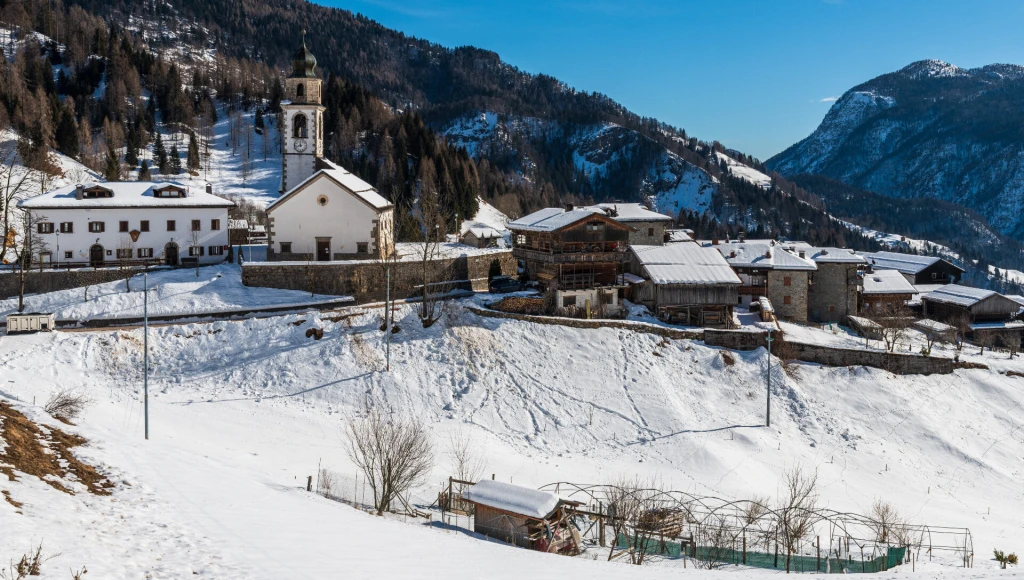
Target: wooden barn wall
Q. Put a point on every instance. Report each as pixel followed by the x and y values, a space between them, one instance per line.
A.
pixel 499 525
pixel 690 295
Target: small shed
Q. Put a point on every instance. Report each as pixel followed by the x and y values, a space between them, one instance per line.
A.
pixel 979 305
pixel 480 236
pixel 523 516
pixel 866 328
pixel 935 329
pixel 29 322
pixel 687 283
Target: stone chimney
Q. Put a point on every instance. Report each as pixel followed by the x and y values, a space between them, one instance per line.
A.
pixel 569 207
pixel 79 190
pixel 768 254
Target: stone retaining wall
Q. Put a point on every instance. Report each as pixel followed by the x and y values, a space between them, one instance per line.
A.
pixel 37 282
pixel 896 363
pixel 366 281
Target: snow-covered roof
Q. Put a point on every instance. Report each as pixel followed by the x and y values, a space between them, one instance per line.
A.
pixel 957 294
pixel 906 263
pixel 679 235
pixel 684 264
pixel 929 325
pixel 125 194
pixel 628 278
pixel 550 219
pixel 887 282
pixel 483 232
pixel 1009 325
pixel 1016 298
pixel 834 255
pixel 629 212
pixel 344 178
pixel 762 255
pixel 512 498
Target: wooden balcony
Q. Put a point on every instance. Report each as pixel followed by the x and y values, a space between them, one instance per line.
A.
pixel 752 290
pixel 565 256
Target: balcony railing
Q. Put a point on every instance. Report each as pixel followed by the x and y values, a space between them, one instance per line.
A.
pixel 568 257
pixel 752 290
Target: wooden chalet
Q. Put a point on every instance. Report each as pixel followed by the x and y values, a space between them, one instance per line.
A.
pixel 991 317
pixel 526 517
pixel 685 283
pixel 575 253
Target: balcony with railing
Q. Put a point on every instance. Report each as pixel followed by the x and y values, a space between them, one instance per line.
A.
pixel 574 252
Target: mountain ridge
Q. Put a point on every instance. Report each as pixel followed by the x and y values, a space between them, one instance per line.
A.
pixel 928 130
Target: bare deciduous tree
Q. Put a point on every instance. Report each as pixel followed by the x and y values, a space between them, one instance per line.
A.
pixel 434 231
pixel 895 319
pixel 796 509
pixel 394 455
pixel 28 247
pixel 195 238
pixel 125 251
pixel 66 404
pixel 636 513
pixel 468 463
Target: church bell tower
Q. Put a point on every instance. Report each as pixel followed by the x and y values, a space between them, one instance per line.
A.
pixel 302 127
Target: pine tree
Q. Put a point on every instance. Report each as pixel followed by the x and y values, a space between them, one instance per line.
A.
pixel 67 133
pixel 175 160
pixel 112 170
pixel 160 153
pixel 259 120
pixel 144 174
pixel 193 153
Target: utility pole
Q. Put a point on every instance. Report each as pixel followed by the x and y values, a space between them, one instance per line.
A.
pixel 768 414
pixel 145 347
pixel 388 315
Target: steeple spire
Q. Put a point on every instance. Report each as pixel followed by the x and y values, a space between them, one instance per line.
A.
pixel 303 62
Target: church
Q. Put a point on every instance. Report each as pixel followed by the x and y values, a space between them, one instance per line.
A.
pixel 325 213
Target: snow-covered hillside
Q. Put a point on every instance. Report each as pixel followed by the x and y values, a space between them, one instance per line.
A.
pixel 242 412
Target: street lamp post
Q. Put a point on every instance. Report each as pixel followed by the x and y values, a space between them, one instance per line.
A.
pixel 145 347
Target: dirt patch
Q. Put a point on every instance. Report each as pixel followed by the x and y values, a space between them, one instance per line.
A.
pixel 1014 374
pixel 969 365
pixel 727 358
pixel 10 500
pixel 299 322
pixel 314 333
pixel 45 452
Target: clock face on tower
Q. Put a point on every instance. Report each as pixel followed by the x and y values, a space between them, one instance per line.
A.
pixel 300 145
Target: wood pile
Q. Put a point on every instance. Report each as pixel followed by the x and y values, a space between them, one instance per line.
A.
pixel 520 305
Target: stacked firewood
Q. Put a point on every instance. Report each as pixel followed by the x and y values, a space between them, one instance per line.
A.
pixel 520 305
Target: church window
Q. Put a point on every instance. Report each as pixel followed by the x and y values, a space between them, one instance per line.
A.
pixel 300 90
pixel 299 128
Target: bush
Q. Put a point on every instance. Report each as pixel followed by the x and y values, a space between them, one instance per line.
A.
pixel 66 404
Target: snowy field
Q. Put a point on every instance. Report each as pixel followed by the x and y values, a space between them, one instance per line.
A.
pixel 216 289
pixel 242 412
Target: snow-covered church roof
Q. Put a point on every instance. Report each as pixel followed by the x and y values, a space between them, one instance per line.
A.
pixel 345 179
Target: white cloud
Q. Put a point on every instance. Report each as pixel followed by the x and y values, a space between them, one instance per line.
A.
pixel 828 100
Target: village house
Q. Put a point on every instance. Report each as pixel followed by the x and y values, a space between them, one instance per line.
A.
pixel 529 518
pixel 685 283
pixel 833 292
pixel 916 269
pixel 767 269
pixel 884 291
pixel 577 254
pixel 482 236
pixel 129 223
pixel 991 318
pixel 325 212
pixel 647 227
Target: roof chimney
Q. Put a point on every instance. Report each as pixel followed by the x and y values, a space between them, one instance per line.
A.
pixel 79 190
pixel 743 236
pixel 569 207
pixel 714 241
pixel 768 254
pixel 209 188
pixel 803 255
pixel 824 252
pixel 732 254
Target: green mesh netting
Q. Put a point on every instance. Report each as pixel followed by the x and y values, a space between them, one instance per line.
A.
pixel 797 563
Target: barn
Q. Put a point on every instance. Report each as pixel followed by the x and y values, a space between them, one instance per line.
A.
pixel 526 517
pixel 686 283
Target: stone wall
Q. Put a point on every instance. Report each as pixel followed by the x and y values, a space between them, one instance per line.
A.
pixel 796 310
pixel 642 236
pixel 37 282
pixel 366 281
pixel 834 293
pixel 900 364
pixel 735 339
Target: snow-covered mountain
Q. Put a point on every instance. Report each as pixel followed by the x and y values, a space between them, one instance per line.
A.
pixel 930 130
pixel 600 153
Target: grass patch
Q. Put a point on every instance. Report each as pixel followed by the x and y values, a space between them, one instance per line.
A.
pixel 45 452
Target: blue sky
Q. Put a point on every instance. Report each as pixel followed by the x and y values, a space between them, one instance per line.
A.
pixel 757 76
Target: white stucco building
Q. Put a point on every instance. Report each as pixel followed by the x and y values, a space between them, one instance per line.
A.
pixel 332 215
pixel 136 222
pixel 325 212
